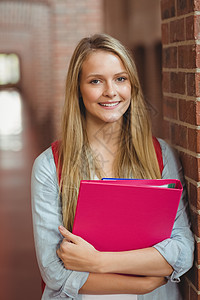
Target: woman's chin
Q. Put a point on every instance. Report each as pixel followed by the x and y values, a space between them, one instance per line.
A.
pixel 112 119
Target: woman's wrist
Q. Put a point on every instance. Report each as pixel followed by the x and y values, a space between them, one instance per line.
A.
pixel 104 261
pixel 98 262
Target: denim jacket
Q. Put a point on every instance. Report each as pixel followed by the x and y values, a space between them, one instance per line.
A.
pixel 47 216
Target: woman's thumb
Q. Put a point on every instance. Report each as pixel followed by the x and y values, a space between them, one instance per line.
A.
pixel 64 231
pixel 67 234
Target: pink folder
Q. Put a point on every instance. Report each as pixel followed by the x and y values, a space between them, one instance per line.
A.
pixel 120 215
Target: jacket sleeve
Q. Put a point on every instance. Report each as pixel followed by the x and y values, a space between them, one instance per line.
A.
pixel 47 216
pixel 179 248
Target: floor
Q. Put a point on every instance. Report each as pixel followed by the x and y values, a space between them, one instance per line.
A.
pixel 19 274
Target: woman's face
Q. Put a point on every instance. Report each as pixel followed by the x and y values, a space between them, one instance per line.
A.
pixel 105 87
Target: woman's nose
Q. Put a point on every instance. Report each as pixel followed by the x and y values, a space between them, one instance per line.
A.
pixel 109 90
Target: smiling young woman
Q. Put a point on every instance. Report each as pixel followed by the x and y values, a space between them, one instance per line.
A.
pixel 106 132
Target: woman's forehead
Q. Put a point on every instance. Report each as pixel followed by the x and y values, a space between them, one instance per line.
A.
pixel 101 60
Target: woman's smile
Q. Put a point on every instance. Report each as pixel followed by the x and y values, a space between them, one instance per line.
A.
pixel 109 104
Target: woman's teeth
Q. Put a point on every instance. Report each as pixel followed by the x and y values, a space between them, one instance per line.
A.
pixel 109 104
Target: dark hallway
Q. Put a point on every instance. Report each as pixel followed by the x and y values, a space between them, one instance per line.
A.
pixel 19 275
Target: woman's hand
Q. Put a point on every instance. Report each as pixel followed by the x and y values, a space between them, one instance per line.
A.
pixel 76 253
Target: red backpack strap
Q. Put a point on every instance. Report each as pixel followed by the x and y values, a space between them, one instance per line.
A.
pixel 55 149
pixel 158 153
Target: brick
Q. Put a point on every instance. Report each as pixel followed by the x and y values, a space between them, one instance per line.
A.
pixel 187 56
pixel 187 111
pixel 190 28
pixel 193 276
pixel 190 5
pixel 197 84
pixel 165 33
pixel 177 32
pixel 190 166
pixel 197 27
pixel 177 82
pixel 170 107
pixel 193 294
pixel 198 56
pixel 195 221
pixel 198 165
pixel 187 184
pixel 198 141
pixel 197 113
pixel 194 196
pixel 166 130
pixel 167 9
pixel 179 135
pixel 194 140
pixel 184 7
pixel 191 87
pixel 170 57
pixel 193 84
pixel 197 253
pixel 196 5
pixel 181 7
pixel 166 82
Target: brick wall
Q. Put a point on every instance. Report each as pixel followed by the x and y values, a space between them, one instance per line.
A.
pixel 181 91
pixel 25 30
pixel 44 33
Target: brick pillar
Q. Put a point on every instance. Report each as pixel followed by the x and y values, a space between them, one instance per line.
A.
pixel 181 107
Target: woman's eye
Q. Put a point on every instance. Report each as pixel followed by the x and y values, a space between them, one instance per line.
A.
pixel 95 81
pixel 121 79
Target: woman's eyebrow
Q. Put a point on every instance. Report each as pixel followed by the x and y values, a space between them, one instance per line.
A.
pixel 101 75
pixel 94 75
pixel 121 73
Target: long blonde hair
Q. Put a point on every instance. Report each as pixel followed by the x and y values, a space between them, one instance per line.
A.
pixel 136 156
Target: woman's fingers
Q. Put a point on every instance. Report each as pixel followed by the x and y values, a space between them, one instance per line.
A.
pixel 65 248
pixel 68 235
